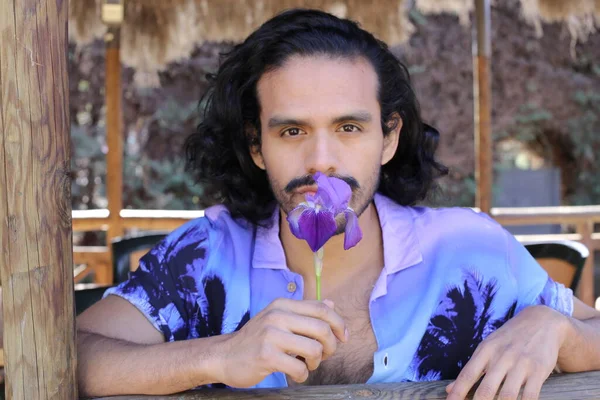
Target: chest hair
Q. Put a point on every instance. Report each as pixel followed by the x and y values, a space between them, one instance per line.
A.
pixel 353 361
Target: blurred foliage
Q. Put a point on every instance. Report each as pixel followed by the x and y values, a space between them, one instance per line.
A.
pixel 149 183
pixel 88 167
pixel 587 149
pixel 156 121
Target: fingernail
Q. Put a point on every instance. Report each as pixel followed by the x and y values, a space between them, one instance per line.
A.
pixel 346 334
pixel 329 303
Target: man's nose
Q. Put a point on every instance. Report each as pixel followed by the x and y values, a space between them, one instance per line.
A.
pixel 322 154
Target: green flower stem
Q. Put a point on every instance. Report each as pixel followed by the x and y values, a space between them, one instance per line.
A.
pixel 318 269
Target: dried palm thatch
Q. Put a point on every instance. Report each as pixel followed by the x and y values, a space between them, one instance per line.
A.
pixel 85 24
pixel 156 32
pixel 462 8
pixel 580 16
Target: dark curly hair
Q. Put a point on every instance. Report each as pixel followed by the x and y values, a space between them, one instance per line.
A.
pixel 219 152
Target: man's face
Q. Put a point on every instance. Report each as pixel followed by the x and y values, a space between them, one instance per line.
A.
pixel 322 114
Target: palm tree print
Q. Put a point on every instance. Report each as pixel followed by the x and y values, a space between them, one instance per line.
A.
pixel 463 319
pixel 212 312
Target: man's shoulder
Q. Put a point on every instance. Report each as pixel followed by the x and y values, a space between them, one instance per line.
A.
pixel 463 226
pixel 461 216
pixel 207 234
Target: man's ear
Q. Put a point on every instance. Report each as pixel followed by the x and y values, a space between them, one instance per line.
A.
pixel 390 142
pixel 254 147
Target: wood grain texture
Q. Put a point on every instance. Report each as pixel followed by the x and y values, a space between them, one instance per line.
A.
pixel 483 133
pixel 482 98
pixel 35 201
pixel 114 132
pixel 580 386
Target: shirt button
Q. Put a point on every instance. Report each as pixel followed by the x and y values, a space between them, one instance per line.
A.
pixel 291 287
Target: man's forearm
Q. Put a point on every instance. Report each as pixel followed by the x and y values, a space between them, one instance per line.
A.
pixel 581 351
pixel 107 366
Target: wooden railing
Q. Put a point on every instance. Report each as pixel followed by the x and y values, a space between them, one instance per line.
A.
pixel 583 218
pixel 98 259
pixel 568 386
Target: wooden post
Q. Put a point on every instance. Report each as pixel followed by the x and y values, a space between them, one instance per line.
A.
pixel 114 140
pixel 36 264
pixel 482 102
pixel 586 285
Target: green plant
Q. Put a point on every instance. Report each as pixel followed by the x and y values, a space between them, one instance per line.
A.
pixel 587 148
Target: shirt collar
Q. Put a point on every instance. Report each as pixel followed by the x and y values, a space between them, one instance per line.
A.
pixel 400 243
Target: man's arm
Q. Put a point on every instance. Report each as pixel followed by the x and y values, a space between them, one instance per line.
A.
pixel 525 351
pixel 120 352
pixel 581 348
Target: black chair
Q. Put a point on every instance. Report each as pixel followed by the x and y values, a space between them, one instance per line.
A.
pixel 124 248
pixel 122 251
pixel 563 259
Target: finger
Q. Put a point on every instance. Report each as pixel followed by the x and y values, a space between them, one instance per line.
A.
pixel 314 329
pixel 469 375
pixel 315 309
pixel 491 382
pixel 310 350
pixel 533 387
pixel 290 366
pixel 513 383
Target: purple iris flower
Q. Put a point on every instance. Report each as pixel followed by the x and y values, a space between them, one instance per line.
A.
pixel 315 219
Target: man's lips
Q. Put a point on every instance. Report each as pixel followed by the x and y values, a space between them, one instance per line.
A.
pixel 307 190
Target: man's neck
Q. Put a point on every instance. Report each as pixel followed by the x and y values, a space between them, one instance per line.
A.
pixel 339 265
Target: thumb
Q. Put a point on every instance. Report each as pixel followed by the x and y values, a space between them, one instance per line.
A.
pixel 329 303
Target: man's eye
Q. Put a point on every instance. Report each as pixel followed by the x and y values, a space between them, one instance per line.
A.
pixel 292 132
pixel 349 128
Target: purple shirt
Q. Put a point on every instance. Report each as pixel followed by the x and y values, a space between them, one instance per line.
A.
pixel 450 278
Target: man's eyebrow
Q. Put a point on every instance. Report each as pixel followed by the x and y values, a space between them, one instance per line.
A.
pixel 281 121
pixel 358 116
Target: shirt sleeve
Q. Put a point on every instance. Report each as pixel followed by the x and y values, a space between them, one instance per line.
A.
pixel 534 285
pixel 165 286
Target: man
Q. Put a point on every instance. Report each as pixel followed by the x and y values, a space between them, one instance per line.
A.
pixel 426 294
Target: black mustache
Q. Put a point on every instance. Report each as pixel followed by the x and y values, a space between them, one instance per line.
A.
pixel 307 180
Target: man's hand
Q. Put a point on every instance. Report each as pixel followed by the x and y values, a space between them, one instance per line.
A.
pixel 288 336
pixel 523 352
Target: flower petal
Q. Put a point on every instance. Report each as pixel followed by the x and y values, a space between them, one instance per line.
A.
pixel 320 226
pixel 293 219
pixel 316 227
pixel 353 233
pixel 334 192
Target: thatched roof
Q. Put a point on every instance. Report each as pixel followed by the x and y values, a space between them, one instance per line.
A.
pixel 156 32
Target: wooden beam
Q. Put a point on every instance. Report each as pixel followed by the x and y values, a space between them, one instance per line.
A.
pixel 587 283
pixel 546 215
pixel 114 132
pixel 91 254
pixel 154 220
pixel 36 262
pixel 580 386
pixel 114 138
pixel 90 220
pixel 482 105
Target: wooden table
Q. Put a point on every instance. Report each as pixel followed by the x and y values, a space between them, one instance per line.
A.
pixel 558 387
